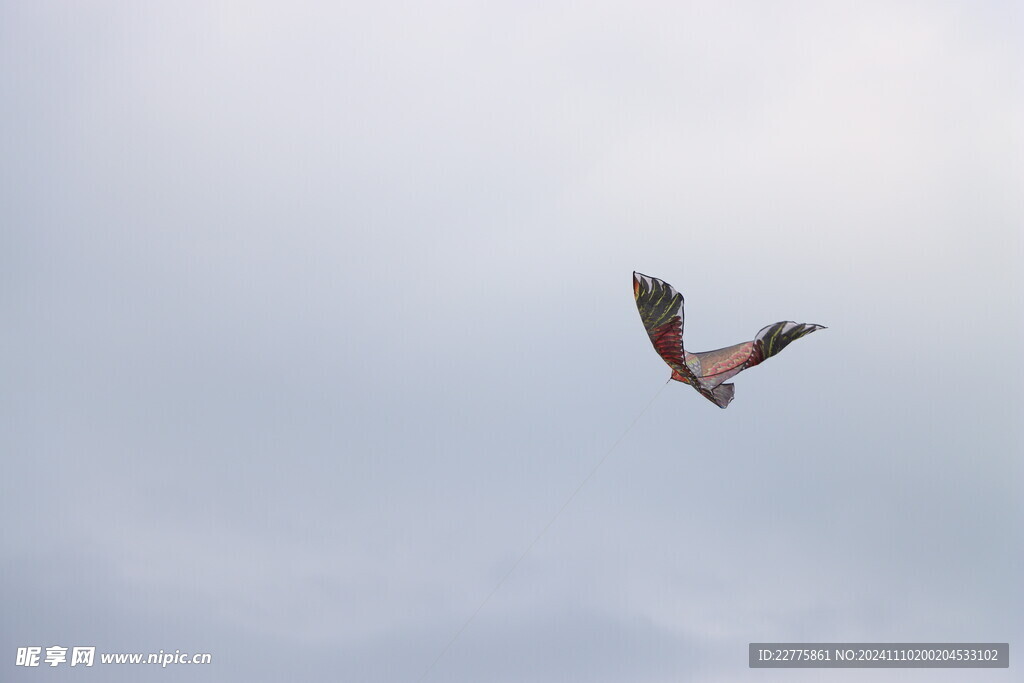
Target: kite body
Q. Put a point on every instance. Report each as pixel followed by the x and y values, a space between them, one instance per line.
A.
pixel 661 310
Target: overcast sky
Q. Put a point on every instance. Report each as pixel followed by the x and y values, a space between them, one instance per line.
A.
pixel 314 314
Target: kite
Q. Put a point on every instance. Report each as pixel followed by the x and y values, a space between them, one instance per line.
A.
pixel 661 310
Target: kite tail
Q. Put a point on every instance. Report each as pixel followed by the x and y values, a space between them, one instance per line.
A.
pixel 722 395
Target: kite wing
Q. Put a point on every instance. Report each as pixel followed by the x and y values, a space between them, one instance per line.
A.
pixel 714 367
pixel 661 310
pixel 772 339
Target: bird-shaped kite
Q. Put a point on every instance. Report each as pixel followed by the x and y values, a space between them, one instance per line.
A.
pixel 661 310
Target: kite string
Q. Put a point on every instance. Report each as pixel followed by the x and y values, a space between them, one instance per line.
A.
pixel 543 531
